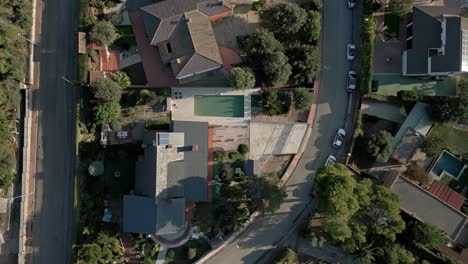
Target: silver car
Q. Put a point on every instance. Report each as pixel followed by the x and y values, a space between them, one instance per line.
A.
pixel 339 138
pixel 352 80
pixel 351 3
pixel 331 160
pixel 351 52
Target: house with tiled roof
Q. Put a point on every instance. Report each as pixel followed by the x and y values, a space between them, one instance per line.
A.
pixel 182 33
pixel 173 174
pixel 437 42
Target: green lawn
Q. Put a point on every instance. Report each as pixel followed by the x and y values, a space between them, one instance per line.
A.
pixel 455 139
pixel 121 185
pixel 393 25
pixel 389 85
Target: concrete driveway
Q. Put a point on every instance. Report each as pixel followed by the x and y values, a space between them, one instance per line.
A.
pixel 266 232
pixel 384 110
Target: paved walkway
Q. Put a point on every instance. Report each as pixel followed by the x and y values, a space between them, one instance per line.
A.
pixel 161 255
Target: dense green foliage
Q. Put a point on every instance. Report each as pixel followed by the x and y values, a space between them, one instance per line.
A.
pixel 450 109
pixel 288 256
pixel 243 149
pixel 433 146
pixel 379 146
pixel 358 213
pixel 399 7
pixel 122 79
pixel 242 78
pixel 106 90
pixel 103 33
pixel 302 98
pixel 105 249
pixel 305 62
pixel 15 22
pixel 260 44
pixel 429 235
pixel 367 49
pixel 191 253
pixel 264 193
pixel 271 102
pixel 284 18
pixel 312 27
pixel 106 112
pixel 276 67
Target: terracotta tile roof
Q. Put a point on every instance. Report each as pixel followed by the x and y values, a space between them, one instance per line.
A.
pixel 110 63
pixel 444 193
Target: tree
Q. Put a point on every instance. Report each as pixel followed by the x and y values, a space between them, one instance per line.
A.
pixel 271 103
pixel 243 149
pixel 400 7
pixel 305 62
pixel 122 79
pixel 397 254
pixel 463 87
pixel 380 30
pixel 242 78
pixel 170 256
pixel 277 69
pixel 116 125
pixel 446 109
pixel 366 255
pixel 264 193
pixel 288 256
pixel 230 217
pixel 106 90
pixel 226 173
pixel 106 112
pixel 259 44
pixel 379 146
pixel 433 146
pixel 191 253
pixel 312 27
pixel 103 33
pixel 428 235
pixel 417 173
pixel 96 168
pixel 285 18
pixel 302 98
pixel 90 253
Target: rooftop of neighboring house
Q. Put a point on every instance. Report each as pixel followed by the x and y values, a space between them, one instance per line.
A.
pixel 436 41
pixel 418 120
pixel 173 172
pixel 182 32
pixel 428 207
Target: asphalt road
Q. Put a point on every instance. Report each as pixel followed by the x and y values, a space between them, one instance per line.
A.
pixel 56 137
pixel 262 235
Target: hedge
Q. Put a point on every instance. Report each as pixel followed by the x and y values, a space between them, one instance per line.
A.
pixel 367 49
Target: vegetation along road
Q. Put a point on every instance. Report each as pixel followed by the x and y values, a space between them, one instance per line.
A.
pixel 271 228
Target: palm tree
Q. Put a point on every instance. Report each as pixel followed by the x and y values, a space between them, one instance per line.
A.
pixel 366 255
pixel 122 79
pixel 380 31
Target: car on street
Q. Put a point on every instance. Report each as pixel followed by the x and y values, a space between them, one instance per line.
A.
pixel 339 138
pixel 331 160
pixel 351 3
pixel 351 51
pixel 352 80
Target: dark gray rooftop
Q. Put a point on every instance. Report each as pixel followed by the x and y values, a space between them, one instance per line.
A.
pixel 139 214
pixel 171 216
pixel 426 32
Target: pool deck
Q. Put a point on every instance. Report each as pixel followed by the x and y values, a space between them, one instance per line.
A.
pixel 184 109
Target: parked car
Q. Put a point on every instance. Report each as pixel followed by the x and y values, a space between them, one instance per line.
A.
pixel 339 138
pixel 351 3
pixel 331 160
pixel 351 52
pixel 352 80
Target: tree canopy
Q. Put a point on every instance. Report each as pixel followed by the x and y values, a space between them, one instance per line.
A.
pixel 264 193
pixel 277 69
pixel 260 44
pixel 271 102
pixel 287 18
pixel 312 26
pixel 305 62
pixel 103 32
pixel 302 98
pixel 242 78
pixel 379 146
pixel 429 235
pixel 104 249
pixel 122 79
pixel 400 7
pixel 106 90
pixel 106 112
pixel 450 109
pixel 433 146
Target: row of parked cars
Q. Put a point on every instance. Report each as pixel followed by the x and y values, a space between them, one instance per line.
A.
pixel 351 87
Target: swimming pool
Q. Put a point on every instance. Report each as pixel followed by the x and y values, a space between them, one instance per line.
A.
pixel 449 163
pixel 219 105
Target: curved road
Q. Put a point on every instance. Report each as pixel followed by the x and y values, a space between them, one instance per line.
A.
pixel 261 236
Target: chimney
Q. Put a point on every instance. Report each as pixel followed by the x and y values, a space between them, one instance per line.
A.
pixel 178 60
pixel 194 148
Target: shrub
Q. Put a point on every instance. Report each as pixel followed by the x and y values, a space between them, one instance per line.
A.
pixel 272 103
pixel 106 112
pixel 305 62
pixel 277 69
pixel 242 78
pixel 106 90
pixel 302 98
pixel 243 149
pixel 191 253
pixel 367 49
pixel 103 33
pixel 433 146
pixel 115 18
pixel 116 125
pixel 157 125
pixel 287 18
pixel 287 257
pixel 313 26
pixel 92 54
pixel 170 256
pixel 122 79
pixel 379 146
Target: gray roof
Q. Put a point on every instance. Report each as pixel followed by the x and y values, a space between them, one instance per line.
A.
pixel 171 216
pixel 182 32
pixel 419 119
pixel 426 32
pixel 427 208
pixel 139 214
pixel 145 170
pixel 196 163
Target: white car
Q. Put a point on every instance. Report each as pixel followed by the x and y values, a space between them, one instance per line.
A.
pixel 351 3
pixel 339 138
pixel 352 80
pixel 331 160
pixel 351 51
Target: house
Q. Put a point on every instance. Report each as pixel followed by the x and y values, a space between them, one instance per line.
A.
pixel 437 42
pixel 172 175
pixel 182 33
pixel 434 206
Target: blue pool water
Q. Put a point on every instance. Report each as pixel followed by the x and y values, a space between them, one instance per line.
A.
pixel 449 164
